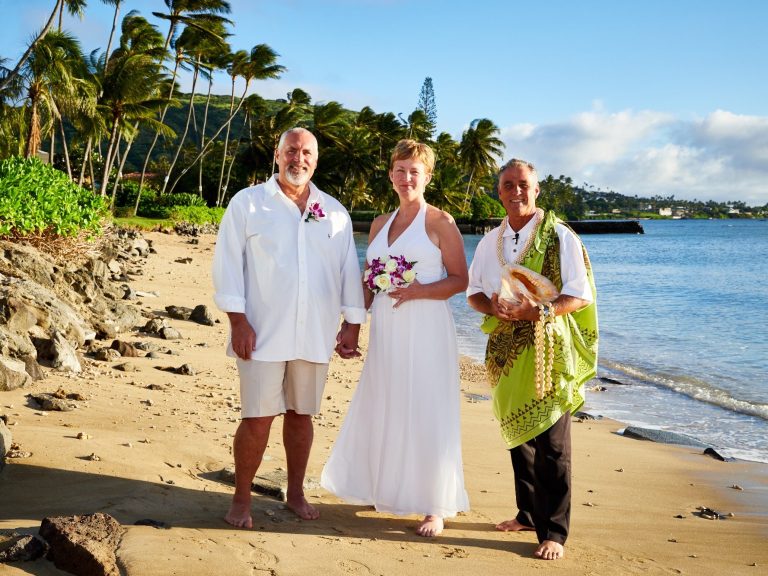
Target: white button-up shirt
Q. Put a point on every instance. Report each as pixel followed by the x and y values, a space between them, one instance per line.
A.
pixel 291 277
pixel 485 270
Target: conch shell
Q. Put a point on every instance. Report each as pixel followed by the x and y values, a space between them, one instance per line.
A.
pixel 519 283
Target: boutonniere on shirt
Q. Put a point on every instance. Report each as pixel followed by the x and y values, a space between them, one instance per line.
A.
pixel 315 212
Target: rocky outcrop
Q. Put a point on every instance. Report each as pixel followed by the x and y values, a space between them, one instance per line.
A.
pixel 83 545
pixel 50 309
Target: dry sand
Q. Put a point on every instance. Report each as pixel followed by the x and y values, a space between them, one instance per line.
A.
pixel 161 450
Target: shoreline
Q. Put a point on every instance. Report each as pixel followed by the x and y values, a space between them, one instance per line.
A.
pixel 163 438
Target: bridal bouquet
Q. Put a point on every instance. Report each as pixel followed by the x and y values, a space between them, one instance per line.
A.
pixel 394 272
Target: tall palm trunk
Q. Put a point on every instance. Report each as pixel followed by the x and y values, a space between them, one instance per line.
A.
pixel 86 158
pixel 234 157
pixel 466 195
pixel 202 137
pixel 219 192
pixel 108 161
pixel 186 126
pixel 33 137
pixel 157 135
pixel 64 148
pixel 119 177
pixel 208 144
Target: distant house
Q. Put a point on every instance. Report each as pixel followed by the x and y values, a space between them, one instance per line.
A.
pixel 733 211
pixel 665 211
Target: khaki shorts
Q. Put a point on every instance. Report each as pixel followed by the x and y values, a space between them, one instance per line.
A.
pixel 272 388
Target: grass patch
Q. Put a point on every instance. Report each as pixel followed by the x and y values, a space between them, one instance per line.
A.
pixel 141 223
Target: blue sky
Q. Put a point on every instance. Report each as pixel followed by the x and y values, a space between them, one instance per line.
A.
pixel 648 98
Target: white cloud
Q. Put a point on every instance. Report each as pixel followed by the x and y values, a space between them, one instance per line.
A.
pixel 721 157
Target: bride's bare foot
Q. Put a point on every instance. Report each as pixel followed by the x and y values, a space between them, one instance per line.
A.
pixel 549 550
pixel 302 508
pixel 430 527
pixel 512 526
pixel 239 514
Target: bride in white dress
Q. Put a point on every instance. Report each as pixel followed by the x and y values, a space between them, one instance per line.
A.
pixel 399 448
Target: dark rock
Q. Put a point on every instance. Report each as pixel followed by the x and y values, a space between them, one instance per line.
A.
pixel 154 325
pixel 202 315
pixel 50 403
pixel 154 523
pixel 21 548
pixel 611 380
pixel 126 350
pixel 661 436
pixel 719 454
pixel 126 367
pixel 83 545
pixel 585 416
pixel 178 312
pixel 185 370
pixel 107 354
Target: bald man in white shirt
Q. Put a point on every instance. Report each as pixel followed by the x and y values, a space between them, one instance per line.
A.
pixel 285 268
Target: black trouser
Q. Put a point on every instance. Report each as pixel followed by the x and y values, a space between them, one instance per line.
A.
pixel 542 469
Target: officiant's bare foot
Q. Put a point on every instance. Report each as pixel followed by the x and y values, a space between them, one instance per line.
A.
pixel 549 550
pixel 430 527
pixel 512 526
pixel 239 515
pixel 302 508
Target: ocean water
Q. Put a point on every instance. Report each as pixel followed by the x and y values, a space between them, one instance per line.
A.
pixel 683 312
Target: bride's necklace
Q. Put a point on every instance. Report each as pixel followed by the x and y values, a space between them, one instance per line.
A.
pixel 526 246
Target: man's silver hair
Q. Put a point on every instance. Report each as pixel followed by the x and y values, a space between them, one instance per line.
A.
pixel 520 163
pixel 295 130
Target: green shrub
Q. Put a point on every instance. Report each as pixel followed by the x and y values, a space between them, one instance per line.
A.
pixel 484 207
pixel 196 214
pixel 36 198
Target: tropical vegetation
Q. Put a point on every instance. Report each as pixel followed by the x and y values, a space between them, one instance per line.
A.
pixel 115 123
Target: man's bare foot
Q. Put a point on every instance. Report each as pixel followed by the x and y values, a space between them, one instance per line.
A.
pixel 512 526
pixel 549 550
pixel 303 509
pixel 239 515
pixel 430 527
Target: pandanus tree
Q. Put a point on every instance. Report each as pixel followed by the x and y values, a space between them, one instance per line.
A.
pixel 478 150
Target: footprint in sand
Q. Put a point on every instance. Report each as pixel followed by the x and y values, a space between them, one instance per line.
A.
pixel 353 567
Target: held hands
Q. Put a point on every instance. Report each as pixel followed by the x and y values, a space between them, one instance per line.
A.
pixel 346 340
pixel 510 311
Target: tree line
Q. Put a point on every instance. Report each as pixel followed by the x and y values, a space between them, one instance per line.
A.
pixel 115 120
pixel 90 111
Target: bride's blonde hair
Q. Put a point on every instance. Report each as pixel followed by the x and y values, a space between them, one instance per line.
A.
pixel 407 149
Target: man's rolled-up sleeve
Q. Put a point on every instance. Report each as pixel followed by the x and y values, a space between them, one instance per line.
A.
pixel 229 261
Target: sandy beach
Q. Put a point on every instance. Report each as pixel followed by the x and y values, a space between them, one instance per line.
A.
pixel 161 440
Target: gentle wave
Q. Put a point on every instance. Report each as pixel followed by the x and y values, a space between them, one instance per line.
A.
pixel 693 388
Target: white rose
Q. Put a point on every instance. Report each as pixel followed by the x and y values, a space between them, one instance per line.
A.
pixel 409 276
pixel 383 282
pixel 390 265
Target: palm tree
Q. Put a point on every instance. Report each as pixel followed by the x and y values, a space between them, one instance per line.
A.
pixel 56 61
pixel 73 6
pixel 200 46
pixel 259 64
pixel 478 150
pixel 189 13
